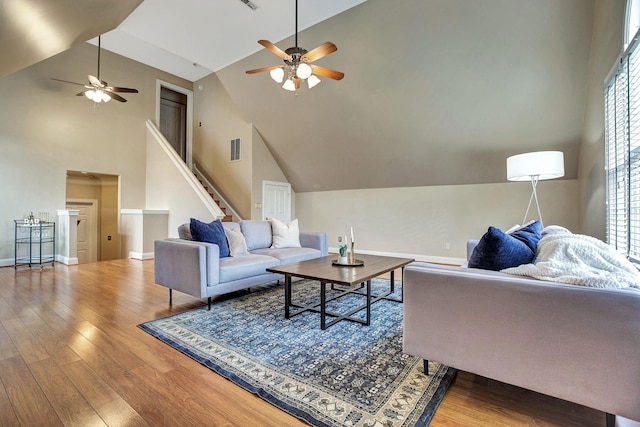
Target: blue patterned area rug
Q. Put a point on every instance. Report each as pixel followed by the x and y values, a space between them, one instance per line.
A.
pixel 346 375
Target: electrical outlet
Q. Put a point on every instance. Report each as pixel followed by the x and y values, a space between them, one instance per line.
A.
pixel 108 237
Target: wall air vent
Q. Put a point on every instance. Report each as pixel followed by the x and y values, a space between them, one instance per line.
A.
pixel 235 149
pixel 248 3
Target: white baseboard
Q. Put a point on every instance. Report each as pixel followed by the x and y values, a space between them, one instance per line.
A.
pixel 141 255
pixel 7 262
pixel 422 258
pixel 66 260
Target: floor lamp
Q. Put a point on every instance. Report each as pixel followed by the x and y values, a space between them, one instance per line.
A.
pixel 534 167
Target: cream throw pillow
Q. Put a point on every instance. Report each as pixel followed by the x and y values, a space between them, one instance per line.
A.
pixel 237 242
pixel 285 236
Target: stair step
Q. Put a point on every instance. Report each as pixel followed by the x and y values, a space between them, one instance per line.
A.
pixel 227 218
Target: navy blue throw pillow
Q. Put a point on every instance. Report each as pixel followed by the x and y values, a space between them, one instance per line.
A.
pixel 498 250
pixel 210 233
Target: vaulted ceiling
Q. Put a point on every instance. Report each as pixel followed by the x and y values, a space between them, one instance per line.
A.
pixel 436 92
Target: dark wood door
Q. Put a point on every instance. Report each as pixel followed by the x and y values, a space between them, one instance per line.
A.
pixel 173 119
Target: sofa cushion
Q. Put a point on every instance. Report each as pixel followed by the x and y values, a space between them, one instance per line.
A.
pixel 529 234
pixel 256 233
pixel 229 225
pixel 210 233
pixel 243 266
pixel 237 244
pixel 498 250
pixel 285 235
pixel 289 255
pixel 184 231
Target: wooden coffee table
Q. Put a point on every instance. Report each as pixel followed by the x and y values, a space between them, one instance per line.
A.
pixel 322 270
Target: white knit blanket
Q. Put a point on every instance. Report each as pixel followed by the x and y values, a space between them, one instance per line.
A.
pixel 580 260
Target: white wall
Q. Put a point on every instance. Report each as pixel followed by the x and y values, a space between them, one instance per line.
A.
pixel 168 189
pixel 420 221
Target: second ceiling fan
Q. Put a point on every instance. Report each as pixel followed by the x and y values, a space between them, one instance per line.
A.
pixel 298 63
pixel 98 90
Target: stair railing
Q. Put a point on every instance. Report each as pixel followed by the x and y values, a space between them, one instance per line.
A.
pixel 222 201
pixel 181 166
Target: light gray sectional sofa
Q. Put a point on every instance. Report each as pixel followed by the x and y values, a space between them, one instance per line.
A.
pixel 572 342
pixel 195 268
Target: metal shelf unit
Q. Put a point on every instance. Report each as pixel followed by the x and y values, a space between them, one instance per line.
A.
pixel 35 244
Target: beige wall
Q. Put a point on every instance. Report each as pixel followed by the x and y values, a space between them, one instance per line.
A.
pixel 435 92
pixel 264 168
pixel 421 221
pixel 45 130
pixel 216 122
pixel 606 46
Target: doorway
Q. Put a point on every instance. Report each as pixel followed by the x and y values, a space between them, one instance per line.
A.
pixel 96 197
pixel 174 115
pixel 87 244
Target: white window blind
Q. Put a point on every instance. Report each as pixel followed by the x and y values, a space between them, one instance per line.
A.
pixel 622 154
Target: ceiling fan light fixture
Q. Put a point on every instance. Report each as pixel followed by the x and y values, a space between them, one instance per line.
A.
pixel 312 81
pixel 97 95
pixel 277 74
pixel 303 71
pixel 297 63
pixel 289 85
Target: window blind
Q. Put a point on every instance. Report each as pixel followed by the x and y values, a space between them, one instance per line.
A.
pixel 622 154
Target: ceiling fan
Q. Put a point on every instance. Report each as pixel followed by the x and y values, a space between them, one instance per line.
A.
pixel 98 90
pixel 298 64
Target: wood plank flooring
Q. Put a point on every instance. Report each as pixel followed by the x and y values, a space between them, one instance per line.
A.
pixel 71 354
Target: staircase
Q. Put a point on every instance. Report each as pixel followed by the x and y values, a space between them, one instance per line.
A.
pixel 229 214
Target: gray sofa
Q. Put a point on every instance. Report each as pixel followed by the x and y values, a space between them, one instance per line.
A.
pixel 572 342
pixel 195 268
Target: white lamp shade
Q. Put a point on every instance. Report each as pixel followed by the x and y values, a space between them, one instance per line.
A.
pixel 312 81
pixel 289 85
pixel 303 71
pixel 277 74
pixel 541 164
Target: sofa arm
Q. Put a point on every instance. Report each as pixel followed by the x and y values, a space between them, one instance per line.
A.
pixel 319 241
pixel 572 342
pixel 186 266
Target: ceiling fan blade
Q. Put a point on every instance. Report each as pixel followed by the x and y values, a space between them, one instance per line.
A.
pixel 115 96
pixel 83 92
pixel 122 89
pixel 275 49
pixel 327 72
pixel 260 70
pixel 93 80
pixel 66 81
pixel 319 52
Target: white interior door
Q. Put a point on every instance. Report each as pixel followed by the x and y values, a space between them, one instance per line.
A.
pixel 87 244
pixel 276 201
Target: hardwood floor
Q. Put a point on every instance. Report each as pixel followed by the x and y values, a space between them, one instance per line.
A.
pixel 71 354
